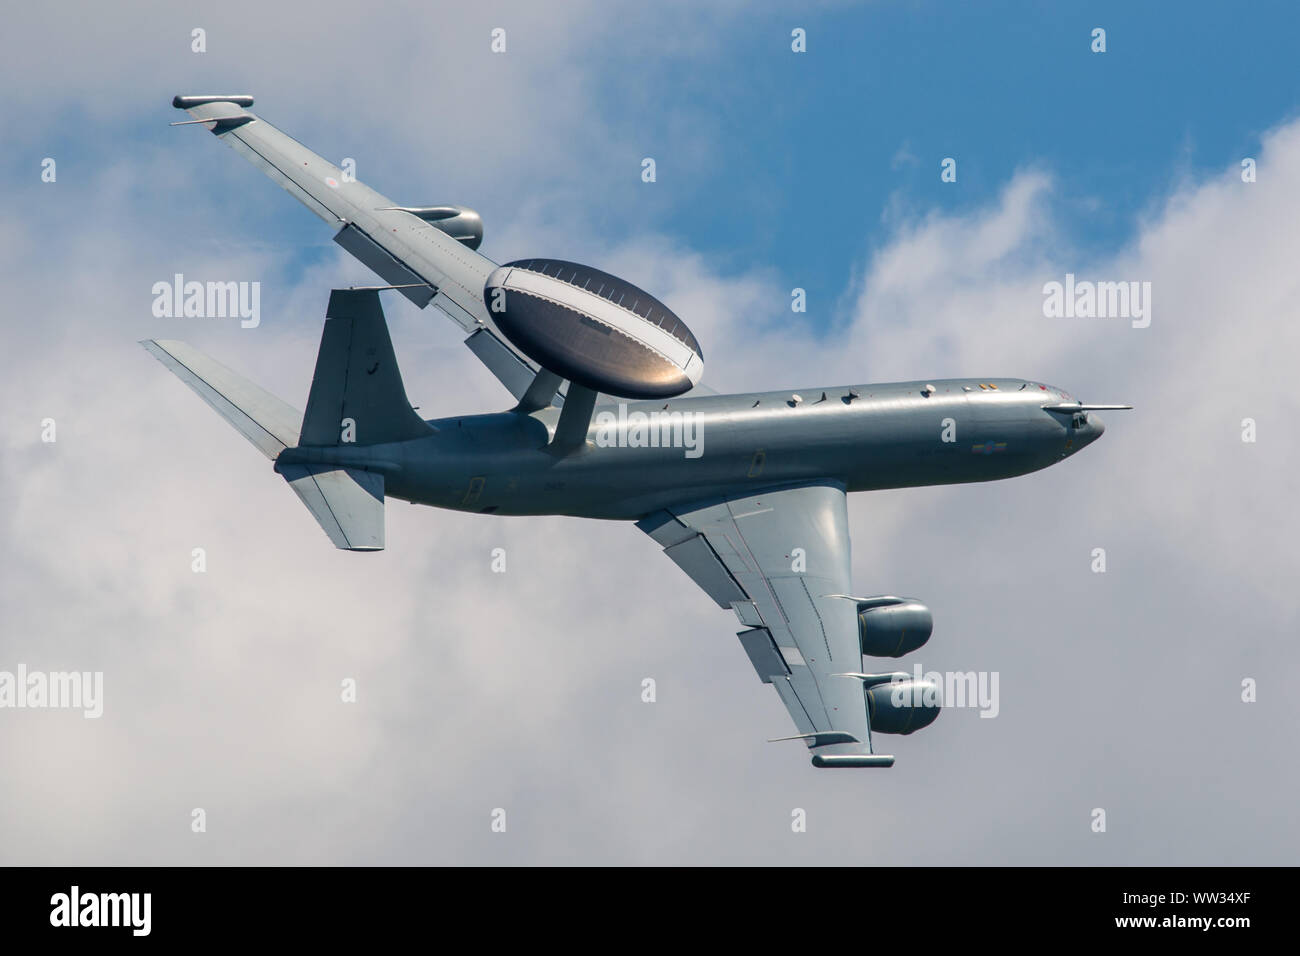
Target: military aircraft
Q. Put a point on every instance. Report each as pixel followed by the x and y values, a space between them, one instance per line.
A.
pixel 745 493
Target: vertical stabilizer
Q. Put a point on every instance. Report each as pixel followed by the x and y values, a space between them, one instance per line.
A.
pixel 357 395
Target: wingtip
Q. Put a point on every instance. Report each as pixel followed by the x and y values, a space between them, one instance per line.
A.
pixel 184 102
pixel 826 761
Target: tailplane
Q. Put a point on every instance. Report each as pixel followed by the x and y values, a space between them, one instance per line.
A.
pixel 270 424
pixel 348 503
pixel 356 400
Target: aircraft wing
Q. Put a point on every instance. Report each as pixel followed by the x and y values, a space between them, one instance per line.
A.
pixel 400 246
pixel 780 560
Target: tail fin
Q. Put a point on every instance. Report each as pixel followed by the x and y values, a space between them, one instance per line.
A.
pixel 356 398
pixel 357 395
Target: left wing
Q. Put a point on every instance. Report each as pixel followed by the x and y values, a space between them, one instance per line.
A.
pixel 425 263
pixel 780 560
pixel 400 246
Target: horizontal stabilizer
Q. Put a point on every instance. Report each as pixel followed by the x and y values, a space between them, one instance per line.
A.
pixel 259 416
pixel 347 502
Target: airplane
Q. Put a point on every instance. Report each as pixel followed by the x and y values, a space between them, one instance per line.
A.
pixel 746 493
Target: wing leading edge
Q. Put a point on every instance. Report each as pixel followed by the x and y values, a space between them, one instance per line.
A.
pixel 780 560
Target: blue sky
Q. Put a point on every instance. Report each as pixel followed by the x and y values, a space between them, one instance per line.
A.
pixel 807 160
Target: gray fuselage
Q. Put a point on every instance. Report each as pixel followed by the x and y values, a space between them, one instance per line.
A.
pixel 864 437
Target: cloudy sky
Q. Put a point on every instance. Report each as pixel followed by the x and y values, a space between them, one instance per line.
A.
pixel 1119 691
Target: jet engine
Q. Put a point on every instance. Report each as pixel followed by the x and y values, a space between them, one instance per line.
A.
pixel 461 223
pixel 892 627
pixel 903 707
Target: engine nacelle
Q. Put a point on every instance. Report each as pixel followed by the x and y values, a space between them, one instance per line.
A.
pixel 461 223
pixel 893 629
pixel 903 707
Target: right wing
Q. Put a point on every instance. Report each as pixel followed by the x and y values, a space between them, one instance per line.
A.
pixel 780 560
pixel 402 248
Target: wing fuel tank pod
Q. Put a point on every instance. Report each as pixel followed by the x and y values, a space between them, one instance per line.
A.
pixel 594 329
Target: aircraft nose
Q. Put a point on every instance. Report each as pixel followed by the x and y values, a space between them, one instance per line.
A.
pixel 1082 431
pixel 1090 432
